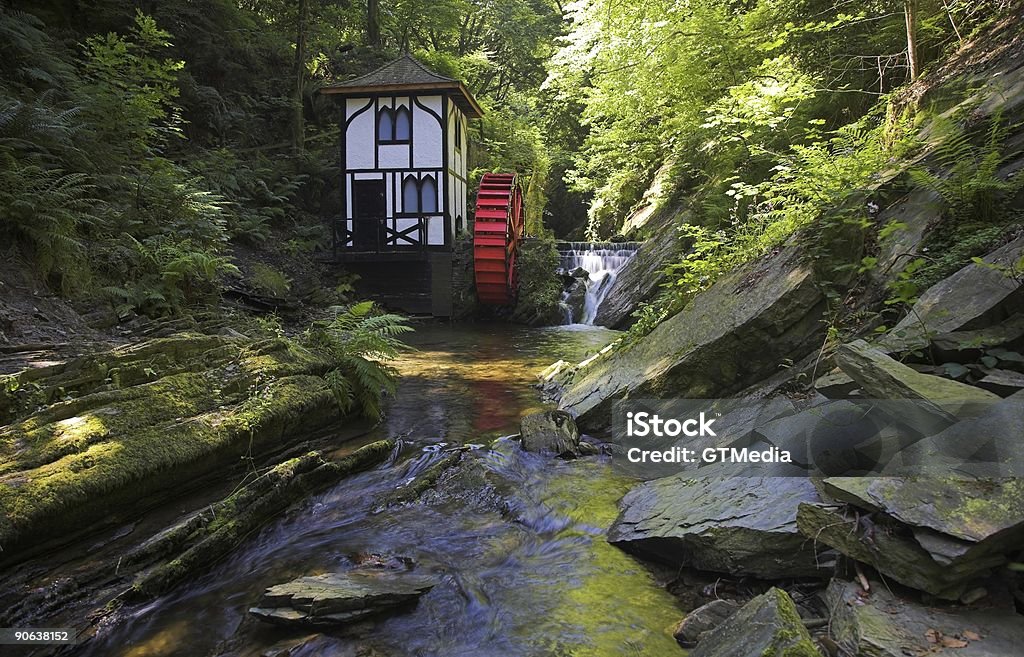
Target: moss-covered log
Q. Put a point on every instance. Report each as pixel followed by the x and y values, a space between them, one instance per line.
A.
pixel 138 421
pixel 212 534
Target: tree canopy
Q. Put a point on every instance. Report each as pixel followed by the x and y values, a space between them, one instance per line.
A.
pixel 142 138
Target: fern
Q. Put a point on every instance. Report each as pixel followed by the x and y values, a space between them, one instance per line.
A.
pixel 971 186
pixel 43 211
pixel 361 342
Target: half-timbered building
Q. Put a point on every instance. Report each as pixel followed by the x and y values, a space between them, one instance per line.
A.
pixel 403 177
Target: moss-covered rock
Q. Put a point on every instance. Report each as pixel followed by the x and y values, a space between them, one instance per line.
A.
pixel 125 366
pixel 767 626
pixel 940 535
pixel 139 420
pixel 938 402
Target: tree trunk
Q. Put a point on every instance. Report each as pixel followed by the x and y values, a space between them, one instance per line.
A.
pixel 373 23
pixel 298 120
pixel 910 11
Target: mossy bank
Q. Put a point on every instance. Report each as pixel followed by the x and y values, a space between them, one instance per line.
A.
pixel 134 424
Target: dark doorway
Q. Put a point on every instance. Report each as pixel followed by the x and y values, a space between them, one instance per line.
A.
pixel 369 211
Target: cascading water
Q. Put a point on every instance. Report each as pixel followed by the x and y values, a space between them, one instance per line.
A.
pixel 602 262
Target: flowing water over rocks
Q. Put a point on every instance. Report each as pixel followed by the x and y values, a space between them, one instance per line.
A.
pixel 514 542
pixel 594 267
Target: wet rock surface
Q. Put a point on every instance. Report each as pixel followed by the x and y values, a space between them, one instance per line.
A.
pixel 739 525
pixel 334 599
pixel 550 432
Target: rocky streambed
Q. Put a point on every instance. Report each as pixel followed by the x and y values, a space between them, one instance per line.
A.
pixel 918 552
pixel 432 533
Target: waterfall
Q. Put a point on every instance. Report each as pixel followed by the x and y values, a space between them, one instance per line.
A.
pixel 601 261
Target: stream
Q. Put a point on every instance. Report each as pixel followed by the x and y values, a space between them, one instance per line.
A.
pixel 520 551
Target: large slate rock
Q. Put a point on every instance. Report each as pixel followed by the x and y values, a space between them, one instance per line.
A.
pixel 767 625
pixel 1004 383
pixel 735 525
pixel 969 346
pixel 550 432
pixel 339 598
pixel 885 625
pixel 946 570
pixel 916 212
pixel 939 402
pixel 935 534
pixel 974 297
pixel 971 510
pixel 986 446
pixel 732 335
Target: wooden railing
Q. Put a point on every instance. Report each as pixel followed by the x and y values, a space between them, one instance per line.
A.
pixel 389 234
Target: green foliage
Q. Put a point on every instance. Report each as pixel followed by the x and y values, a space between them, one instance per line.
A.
pixel 362 342
pixel 260 196
pixel 44 209
pixel 817 187
pixel 904 288
pixel 954 249
pixel 163 275
pixel 87 189
pixel 540 290
pixel 130 93
pixel 978 212
pixel 719 89
pixel 269 280
pixel 968 179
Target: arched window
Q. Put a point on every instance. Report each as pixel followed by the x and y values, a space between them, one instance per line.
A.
pixel 410 195
pixel 403 124
pixel 428 194
pixel 385 124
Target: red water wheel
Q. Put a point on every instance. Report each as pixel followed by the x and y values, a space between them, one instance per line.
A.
pixel 496 235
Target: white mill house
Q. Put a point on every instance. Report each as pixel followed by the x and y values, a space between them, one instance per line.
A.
pixel 403 182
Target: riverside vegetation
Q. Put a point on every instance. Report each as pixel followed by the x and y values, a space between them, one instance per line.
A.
pixel 831 207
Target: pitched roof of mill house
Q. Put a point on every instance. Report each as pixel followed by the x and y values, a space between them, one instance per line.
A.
pixel 405 74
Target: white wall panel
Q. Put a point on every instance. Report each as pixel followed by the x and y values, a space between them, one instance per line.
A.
pixel 426 138
pixel 435 231
pixel 393 156
pixel 359 137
